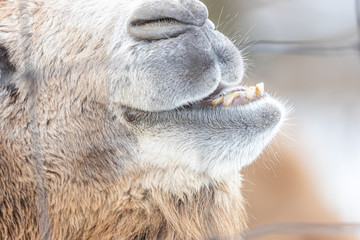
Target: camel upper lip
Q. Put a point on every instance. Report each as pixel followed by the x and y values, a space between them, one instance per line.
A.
pixel 222 91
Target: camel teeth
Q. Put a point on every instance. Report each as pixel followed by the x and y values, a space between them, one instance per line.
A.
pixel 260 89
pixel 217 101
pixel 250 93
pixel 229 99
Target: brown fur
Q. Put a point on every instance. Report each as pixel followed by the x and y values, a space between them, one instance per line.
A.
pixel 105 208
pixel 141 213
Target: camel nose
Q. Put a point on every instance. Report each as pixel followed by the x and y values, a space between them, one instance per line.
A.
pixel 167 19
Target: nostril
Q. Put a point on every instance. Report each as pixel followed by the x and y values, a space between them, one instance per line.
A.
pixel 160 21
pixel 156 29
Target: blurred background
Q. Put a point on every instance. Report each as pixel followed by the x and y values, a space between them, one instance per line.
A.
pixel 307 52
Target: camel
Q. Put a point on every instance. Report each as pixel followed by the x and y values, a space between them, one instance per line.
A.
pixel 124 119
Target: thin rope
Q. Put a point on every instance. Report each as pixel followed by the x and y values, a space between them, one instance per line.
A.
pixel 42 203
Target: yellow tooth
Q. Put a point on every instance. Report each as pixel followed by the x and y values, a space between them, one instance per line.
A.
pixel 217 101
pixel 229 99
pixel 260 89
pixel 250 93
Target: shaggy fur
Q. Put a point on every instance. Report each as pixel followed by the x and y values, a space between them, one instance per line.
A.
pixel 97 140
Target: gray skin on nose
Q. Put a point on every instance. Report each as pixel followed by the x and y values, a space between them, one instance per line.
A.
pixel 167 19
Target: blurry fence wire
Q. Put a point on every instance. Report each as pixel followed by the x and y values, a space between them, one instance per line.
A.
pixel 313 46
pixel 357 2
pixel 302 229
pixel 45 225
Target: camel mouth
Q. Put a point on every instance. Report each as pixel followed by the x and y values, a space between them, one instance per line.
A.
pixel 234 96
